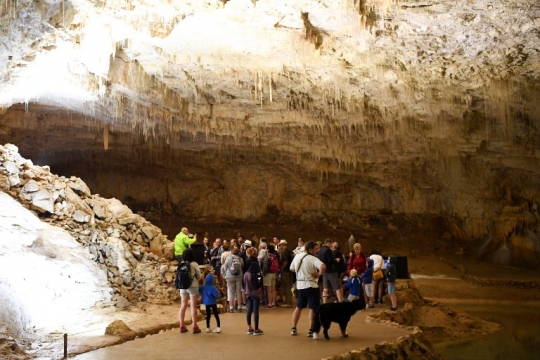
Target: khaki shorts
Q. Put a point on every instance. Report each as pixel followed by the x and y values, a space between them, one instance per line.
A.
pixel 270 279
pixel 192 291
pixel 369 290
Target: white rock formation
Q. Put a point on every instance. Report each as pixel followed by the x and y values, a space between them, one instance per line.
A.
pixel 47 279
pixel 59 263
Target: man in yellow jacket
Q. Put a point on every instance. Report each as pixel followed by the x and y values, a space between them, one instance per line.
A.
pixel 182 241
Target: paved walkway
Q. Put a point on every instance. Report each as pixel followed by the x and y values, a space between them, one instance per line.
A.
pixel 234 343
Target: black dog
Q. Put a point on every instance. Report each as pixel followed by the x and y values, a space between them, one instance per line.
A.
pixel 336 312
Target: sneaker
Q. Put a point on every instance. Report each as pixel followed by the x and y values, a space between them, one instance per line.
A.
pixel 293 331
pixel 217 330
pixel 250 331
pixel 183 329
pixel 315 336
pixel 196 330
pixel 258 332
pixel 239 309
pixel 208 330
pixel 231 310
pixel 393 308
pixel 267 307
pixel 310 333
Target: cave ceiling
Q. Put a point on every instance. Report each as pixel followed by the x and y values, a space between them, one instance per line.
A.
pixel 382 106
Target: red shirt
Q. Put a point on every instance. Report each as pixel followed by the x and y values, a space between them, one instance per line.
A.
pixel 357 262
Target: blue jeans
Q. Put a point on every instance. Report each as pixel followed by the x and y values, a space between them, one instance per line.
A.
pixel 253 307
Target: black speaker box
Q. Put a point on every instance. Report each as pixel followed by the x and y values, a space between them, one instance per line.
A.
pixel 402 267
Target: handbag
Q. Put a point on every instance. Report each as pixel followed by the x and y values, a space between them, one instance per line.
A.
pixel 378 275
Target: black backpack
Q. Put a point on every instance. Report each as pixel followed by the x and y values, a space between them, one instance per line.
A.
pixel 183 276
pixel 289 257
pixel 257 280
pixel 340 266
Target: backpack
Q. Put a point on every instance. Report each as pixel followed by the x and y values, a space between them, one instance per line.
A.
pixel 265 266
pixel 183 276
pixel 274 264
pixel 287 256
pixel 290 258
pixel 236 267
pixel 341 266
pixel 257 280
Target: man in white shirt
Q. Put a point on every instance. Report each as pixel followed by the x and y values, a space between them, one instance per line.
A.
pixel 308 269
pixel 300 248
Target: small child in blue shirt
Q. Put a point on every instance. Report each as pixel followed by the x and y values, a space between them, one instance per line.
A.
pixel 367 280
pixel 355 286
pixel 210 295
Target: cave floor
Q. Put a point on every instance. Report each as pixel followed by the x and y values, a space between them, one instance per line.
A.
pixel 233 341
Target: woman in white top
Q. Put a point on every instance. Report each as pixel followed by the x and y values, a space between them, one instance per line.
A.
pixel 378 285
pixel 191 293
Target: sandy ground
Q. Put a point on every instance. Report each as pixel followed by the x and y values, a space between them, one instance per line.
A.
pixel 271 345
pixel 437 279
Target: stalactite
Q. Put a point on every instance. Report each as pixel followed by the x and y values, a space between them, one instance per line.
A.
pixel 255 86
pixel 259 83
pixel 106 137
pixel 270 86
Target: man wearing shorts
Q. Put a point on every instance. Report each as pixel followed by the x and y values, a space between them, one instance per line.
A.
pixel 330 277
pixel 308 269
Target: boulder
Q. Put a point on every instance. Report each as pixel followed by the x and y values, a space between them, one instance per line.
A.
pixel 31 186
pixel 74 199
pixel 155 246
pixel 81 216
pixel 79 186
pixel 119 328
pixel 149 231
pixel 168 251
pixel 11 168
pixel 43 201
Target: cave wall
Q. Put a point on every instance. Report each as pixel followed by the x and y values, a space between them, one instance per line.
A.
pixel 458 198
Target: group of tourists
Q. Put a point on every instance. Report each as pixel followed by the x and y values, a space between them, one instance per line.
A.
pixel 269 275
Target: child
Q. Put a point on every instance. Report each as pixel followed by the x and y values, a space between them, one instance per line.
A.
pixel 209 298
pixel 254 296
pixel 367 281
pixel 390 280
pixel 355 285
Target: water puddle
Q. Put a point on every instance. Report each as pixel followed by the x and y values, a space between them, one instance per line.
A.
pixel 518 340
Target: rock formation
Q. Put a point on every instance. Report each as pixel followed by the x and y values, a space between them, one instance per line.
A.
pixel 417 119
pixel 132 252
